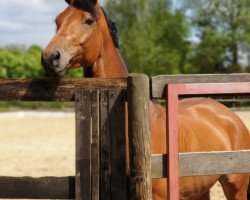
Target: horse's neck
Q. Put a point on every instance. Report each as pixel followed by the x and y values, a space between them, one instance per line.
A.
pixel 110 63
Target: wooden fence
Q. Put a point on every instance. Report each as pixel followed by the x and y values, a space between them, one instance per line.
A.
pixel 100 114
pixel 100 151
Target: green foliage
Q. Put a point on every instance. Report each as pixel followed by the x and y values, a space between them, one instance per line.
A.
pixel 153 35
pixel 209 55
pixel 66 106
pixel 74 73
pixel 146 41
pixel 223 25
pixel 17 63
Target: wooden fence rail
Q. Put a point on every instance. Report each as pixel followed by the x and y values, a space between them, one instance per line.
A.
pixel 37 188
pixel 52 89
pixel 204 163
pixel 191 164
pixel 158 83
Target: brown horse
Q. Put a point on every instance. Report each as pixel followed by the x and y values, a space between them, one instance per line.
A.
pixel 85 37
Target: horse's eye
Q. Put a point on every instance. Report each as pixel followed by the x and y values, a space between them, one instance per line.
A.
pixel 89 21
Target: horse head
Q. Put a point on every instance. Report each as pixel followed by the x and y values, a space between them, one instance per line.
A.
pixel 79 37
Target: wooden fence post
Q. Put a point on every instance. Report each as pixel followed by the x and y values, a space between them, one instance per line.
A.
pixel 139 137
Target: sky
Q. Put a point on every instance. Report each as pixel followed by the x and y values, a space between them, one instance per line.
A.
pixel 27 22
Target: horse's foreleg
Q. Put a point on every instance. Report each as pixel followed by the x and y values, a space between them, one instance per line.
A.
pixel 205 196
pixel 235 186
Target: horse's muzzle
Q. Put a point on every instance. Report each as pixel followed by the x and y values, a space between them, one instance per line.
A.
pixel 51 64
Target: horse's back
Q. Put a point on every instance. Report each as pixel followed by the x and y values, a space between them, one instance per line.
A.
pixel 206 125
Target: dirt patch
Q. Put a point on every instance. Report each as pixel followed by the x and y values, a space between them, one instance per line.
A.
pixel 37 144
pixel 43 144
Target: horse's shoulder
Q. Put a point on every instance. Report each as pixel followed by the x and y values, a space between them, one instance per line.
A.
pixel 205 105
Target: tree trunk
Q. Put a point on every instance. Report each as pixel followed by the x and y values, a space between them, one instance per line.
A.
pixel 235 53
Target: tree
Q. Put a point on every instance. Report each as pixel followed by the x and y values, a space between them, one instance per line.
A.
pixel 152 36
pixel 11 63
pixel 229 25
pixel 209 55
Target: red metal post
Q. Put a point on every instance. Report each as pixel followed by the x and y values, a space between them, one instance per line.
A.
pixel 172 144
pixel 172 94
pixel 212 88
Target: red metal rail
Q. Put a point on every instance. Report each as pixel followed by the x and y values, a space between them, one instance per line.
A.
pixel 172 94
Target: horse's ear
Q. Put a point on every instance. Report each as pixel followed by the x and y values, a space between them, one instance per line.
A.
pixel 93 1
pixel 69 1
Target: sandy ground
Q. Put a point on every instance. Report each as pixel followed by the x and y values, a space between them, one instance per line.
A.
pixel 42 144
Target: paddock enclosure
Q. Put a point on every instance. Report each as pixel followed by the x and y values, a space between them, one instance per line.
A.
pixel 100 153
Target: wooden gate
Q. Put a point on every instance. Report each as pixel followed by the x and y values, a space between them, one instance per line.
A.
pixel 100 145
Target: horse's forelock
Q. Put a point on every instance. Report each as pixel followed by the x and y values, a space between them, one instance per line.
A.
pixel 86 5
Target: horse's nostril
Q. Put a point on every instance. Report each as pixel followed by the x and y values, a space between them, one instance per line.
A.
pixel 44 60
pixel 56 56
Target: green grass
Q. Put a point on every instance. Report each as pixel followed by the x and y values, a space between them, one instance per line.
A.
pixel 65 106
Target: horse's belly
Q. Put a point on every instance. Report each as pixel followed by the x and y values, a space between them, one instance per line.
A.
pixel 191 188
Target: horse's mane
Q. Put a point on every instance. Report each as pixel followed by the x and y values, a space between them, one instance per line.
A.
pixel 114 32
pixel 112 29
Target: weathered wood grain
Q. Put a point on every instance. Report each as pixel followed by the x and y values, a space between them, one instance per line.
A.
pixel 159 82
pixel 100 144
pixel 205 163
pixel 139 137
pixel 37 188
pixel 83 145
pixel 118 144
pixel 95 145
pixel 52 89
pixel 104 147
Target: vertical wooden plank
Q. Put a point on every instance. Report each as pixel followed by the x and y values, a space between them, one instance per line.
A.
pixel 83 151
pixel 95 146
pixel 172 143
pixel 139 137
pixel 118 144
pixel 104 148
